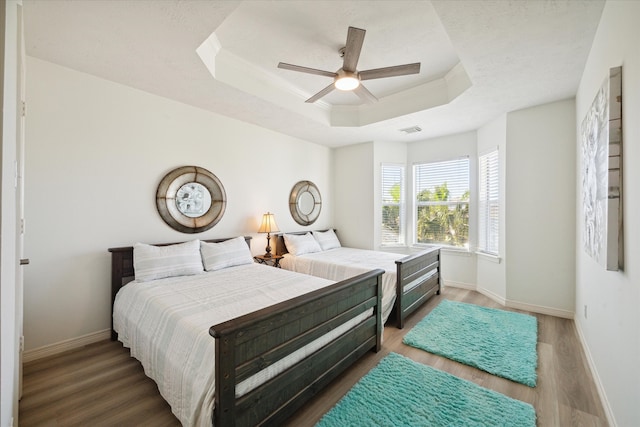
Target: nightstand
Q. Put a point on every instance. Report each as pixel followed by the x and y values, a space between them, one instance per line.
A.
pixel 273 260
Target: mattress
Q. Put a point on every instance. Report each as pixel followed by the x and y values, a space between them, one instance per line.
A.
pixel 166 322
pixel 342 263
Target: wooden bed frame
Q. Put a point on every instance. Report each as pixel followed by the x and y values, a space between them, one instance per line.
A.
pixel 248 344
pixel 417 279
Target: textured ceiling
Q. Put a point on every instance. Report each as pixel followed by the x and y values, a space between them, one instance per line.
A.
pixel 479 58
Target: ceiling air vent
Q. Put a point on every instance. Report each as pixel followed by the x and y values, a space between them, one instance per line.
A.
pixel 412 129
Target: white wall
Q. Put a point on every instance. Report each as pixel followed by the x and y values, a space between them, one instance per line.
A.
pixel 96 151
pixel 540 206
pixel 491 274
pixel 534 269
pixel 458 267
pixel 610 329
pixel 353 168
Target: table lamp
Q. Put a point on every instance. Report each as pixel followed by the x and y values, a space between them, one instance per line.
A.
pixel 268 226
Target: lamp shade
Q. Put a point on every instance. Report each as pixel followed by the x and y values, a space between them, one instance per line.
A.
pixel 268 224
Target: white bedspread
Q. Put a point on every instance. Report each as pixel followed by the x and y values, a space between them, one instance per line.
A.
pixel 341 263
pixel 166 324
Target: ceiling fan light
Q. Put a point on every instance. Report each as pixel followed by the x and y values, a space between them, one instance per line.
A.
pixel 347 83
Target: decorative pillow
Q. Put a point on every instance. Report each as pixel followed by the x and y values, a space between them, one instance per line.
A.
pixel 299 244
pixel 327 239
pixel 225 254
pixel 157 262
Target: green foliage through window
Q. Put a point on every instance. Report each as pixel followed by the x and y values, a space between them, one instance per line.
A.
pixel 442 209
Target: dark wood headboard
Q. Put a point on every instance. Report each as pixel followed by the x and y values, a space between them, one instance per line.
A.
pixel 281 248
pixel 122 271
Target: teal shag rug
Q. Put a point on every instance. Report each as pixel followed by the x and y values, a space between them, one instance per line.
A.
pixel 401 392
pixel 500 342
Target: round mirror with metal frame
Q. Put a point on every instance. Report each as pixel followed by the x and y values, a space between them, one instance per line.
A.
pixel 305 202
pixel 191 199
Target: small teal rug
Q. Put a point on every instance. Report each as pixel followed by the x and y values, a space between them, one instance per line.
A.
pixel 500 342
pixel 401 392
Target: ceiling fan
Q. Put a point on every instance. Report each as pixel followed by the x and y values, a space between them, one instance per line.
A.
pixel 348 77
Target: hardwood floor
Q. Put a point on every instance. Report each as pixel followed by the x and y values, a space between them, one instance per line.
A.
pixel 101 384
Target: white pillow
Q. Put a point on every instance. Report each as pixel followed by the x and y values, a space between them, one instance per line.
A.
pixel 156 262
pixel 327 239
pixel 299 244
pixel 225 254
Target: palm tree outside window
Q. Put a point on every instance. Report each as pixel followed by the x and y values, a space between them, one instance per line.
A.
pixel 442 203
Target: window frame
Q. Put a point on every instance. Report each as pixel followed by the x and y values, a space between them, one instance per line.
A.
pixel 417 204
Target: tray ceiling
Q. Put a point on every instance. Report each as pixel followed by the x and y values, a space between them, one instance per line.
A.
pixel 479 59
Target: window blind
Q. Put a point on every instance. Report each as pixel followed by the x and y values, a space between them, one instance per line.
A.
pixel 442 202
pixel 489 202
pixel 393 205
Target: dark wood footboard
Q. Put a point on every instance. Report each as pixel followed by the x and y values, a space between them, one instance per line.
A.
pixel 248 344
pixel 418 279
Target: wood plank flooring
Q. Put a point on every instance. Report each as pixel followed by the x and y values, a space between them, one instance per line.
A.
pixel 101 385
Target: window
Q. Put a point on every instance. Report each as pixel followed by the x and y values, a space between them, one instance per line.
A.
pixel 442 202
pixel 392 205
pixel 489 202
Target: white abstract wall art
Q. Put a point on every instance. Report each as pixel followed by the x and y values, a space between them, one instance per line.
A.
pixel 601 133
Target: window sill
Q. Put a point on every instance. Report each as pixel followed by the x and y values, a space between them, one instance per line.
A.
pixel 489 257
pixel 449 250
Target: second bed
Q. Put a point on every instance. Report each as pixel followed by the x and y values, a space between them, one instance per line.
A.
pixel 407 283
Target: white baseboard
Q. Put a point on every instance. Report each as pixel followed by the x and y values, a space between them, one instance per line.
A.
pixel 596 378
pixel 557 312
pixel 70 344
pixel 511 304
pixel 461 285
pixel 497 298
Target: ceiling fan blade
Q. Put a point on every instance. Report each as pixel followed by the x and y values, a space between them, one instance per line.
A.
pixel 307 70
pixel 322 93
pixel 365 95
pixel 398 70
pixel 355 38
